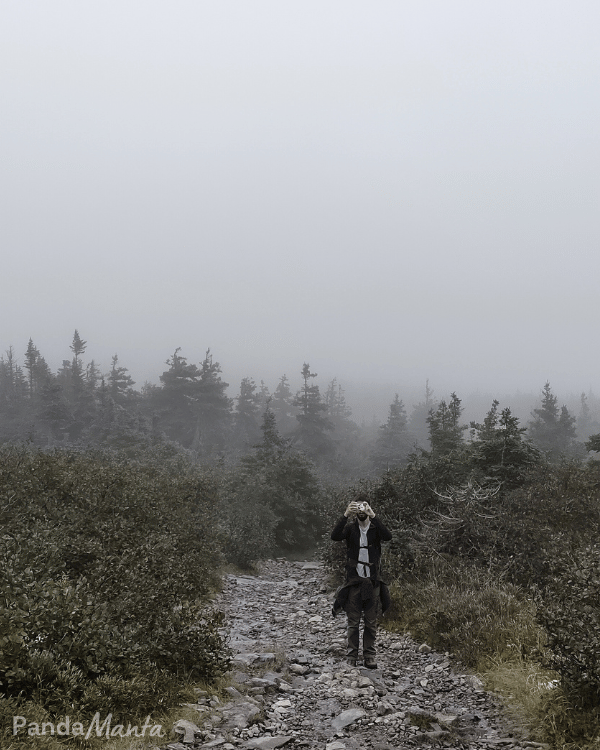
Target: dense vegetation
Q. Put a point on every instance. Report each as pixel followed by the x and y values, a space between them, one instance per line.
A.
pixel 495 559
pixel 107 566
pixel 119 506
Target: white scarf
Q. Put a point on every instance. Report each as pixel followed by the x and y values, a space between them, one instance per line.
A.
pixel 363 554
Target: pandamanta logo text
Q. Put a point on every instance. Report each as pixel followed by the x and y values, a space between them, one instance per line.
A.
pixel 95 728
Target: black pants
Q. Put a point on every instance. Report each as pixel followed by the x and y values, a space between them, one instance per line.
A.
pixel 355 609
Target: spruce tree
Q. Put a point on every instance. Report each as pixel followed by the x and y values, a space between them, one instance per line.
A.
pixel 13 398
pixel 80 391
pixel 282 406
pixel 213 410
pixel 175 401
pixel 246 427
pixel 501 450
pixel 445 430
pixel 32 357
pixel 276 476
pixel 418 425
pixel 393 442
pixel 313 424
pixel 351 450
pixel 119 382
pixel 587 420
pixel 552 429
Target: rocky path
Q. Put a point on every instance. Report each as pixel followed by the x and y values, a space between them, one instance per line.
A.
pixel 292 688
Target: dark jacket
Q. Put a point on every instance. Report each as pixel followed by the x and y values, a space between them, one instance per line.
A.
pixel 350 532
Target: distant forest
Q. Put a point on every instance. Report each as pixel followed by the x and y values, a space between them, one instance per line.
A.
pixel 81 406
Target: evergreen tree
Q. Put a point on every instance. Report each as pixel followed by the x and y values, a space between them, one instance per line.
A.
pixel 351 451
pixel 13 398
pixel 64 377
pixel 119 383
pixel 264 397
pixel 13 384
pixel 584 419
pixel 213 410
pixel 246 428
pixel 393 442
pixel 282 406
pixel 92 376
pixel 445 430
pixel 77 379
pixel 176 400
pixel 500 448
pixel 552 429
pixel 38 371
pixel 81 392
pixel 566 427
pixel 276 476
pixel 418 424
pixel 53 412
pixel 313 424
pixel 587 420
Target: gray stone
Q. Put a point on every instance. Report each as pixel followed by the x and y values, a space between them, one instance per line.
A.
pixel 262 683
pixel 437 736
pixel 233 692
pixel 474 682
pixel 266 657
pixel 272 677
pixel 348 717
pixel 188 729
pixel 299 669
pixel 448 720
pixel 238 715
pixel 268 743
pixel 244 659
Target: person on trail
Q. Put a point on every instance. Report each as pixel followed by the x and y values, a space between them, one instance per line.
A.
pixel 363 590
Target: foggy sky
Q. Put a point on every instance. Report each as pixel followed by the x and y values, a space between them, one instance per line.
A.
pixel 390 191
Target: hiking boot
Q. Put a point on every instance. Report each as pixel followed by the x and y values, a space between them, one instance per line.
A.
pixel 351 662
pixel 370 663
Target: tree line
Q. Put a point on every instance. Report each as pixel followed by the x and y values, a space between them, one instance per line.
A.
pixel 81 405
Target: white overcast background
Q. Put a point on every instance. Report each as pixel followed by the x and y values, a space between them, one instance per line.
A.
pixel 390 191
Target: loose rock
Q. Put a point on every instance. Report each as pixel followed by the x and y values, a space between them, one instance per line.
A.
pixel 293 686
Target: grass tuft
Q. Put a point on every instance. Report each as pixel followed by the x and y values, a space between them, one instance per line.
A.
pixel 468 613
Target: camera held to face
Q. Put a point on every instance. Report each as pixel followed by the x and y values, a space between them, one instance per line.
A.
pixel 362 511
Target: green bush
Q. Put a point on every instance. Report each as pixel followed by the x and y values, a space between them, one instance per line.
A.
pixel 569 611
pixel 107 566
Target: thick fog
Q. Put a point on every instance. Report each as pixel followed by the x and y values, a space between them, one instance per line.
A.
pixel 390 191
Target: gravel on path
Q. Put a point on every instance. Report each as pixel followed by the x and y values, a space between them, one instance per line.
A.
pixel 291 687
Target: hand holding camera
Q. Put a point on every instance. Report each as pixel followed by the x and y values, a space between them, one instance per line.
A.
pixel 362 510
pixel 352 509
pixel 365 508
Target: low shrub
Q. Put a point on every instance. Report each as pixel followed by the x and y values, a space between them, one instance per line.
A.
pixel 569 612
pixel 107 567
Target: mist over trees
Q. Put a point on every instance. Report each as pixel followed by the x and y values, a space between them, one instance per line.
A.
pixel 80 404
pixel 189 474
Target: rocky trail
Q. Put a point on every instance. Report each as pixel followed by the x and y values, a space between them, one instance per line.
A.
pixel 291 687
